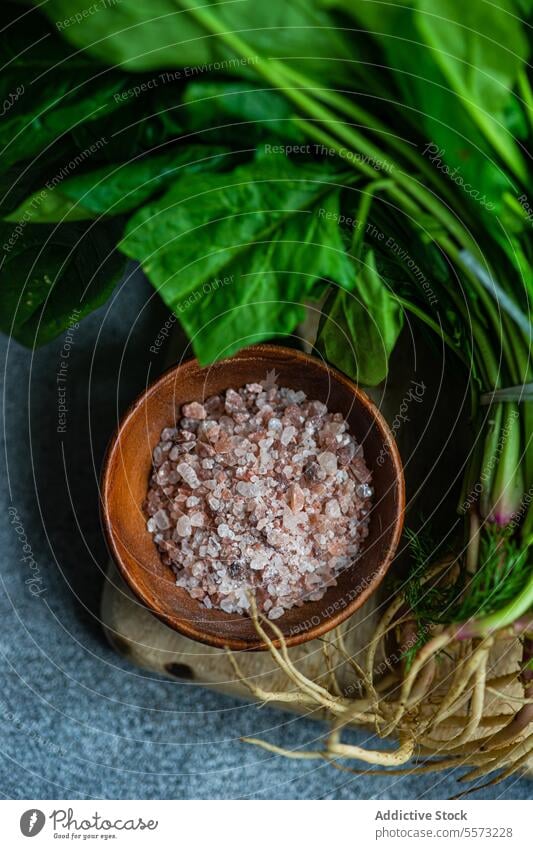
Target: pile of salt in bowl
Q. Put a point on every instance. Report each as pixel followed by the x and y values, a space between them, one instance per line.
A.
pixel 258 492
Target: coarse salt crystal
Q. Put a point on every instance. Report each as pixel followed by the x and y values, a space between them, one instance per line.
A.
pixel 259 561
pixel 296 497
pixel 333 509
pixel 213 547
pixel 234 403
pixel 183 526
pixel 328 462
pixel 287 434
pixel 189 475
pixel 365 491
pixel 194 410
pixel 161 520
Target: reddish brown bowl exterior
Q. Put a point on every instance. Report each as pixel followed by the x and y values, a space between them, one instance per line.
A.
pixel 125 480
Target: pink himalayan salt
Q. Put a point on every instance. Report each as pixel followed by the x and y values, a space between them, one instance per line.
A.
pixel 296 497
pixel 188 474
pixel 194 410
pixel 258 492
pixel 183 526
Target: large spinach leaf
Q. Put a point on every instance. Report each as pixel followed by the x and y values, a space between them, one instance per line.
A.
pixel 46 94
pixel 167 34
pixel 361 327
pixel 236 255
pixel 222 107
pixel 118 188
pixel 51 276
pixel 479 68
pixel 47 119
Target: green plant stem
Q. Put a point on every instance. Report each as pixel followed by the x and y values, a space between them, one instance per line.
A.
pixel 526 94
pixel 512 346
pixel 502 618
pixel 352 110
pixel 471 477
pixel 435 327
pixel 367 196
pixel 484 355
pixel 321 135
pixel 515 360
pixel 487 470
pixel 508 489
pixel 527 426
pixel 526 531
pixel 486 123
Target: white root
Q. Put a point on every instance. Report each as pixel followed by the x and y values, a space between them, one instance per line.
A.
pixel 414 708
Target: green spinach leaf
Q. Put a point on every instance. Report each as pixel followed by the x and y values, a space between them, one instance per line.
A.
pixel 236 255
pixel 167 34
pixel 361 327
pixel 50 276
pixel 480 69
pixel 118 188
pixel 222 107
pixel 452 82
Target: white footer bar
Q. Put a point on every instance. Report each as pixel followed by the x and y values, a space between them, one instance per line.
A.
pixel 266 825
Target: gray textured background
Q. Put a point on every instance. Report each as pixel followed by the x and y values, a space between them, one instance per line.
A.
pixel 75 720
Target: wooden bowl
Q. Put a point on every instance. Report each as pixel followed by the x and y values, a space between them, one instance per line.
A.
pixel 129 462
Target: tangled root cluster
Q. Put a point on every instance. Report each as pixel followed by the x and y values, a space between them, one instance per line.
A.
pixel 435 708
